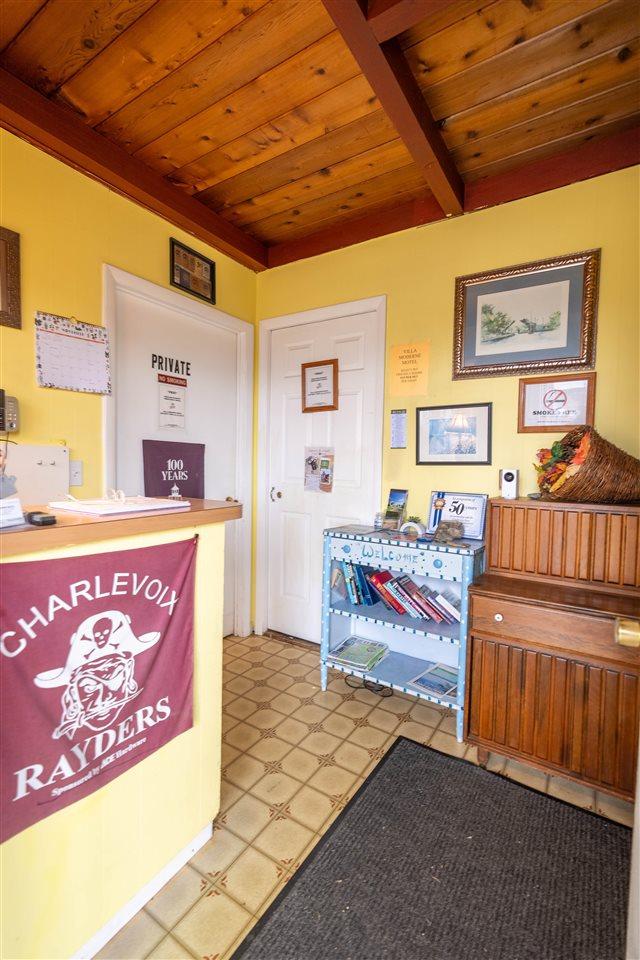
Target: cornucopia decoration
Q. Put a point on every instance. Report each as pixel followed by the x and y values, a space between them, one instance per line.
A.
pixel 586 468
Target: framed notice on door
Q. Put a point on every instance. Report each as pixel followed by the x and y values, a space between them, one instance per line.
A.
pixel 319 386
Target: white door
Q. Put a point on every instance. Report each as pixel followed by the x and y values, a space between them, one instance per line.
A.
pixel 298 517
pixel 145 328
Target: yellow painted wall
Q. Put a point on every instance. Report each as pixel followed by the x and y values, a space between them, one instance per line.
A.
pixel 65 877
pixel 416 270
pixel 69 226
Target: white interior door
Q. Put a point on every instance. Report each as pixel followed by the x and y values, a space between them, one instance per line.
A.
pixel 144 328
pixel 298 517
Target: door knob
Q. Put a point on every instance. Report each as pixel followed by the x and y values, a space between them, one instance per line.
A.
pixel 628 633
pixel 278 495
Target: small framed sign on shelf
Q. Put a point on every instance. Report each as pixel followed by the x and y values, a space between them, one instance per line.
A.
pixel 469 509
pixel 554 404
pixel 192 272
pixel 319 386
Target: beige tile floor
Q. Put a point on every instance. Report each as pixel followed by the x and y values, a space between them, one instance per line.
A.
pixel 292 756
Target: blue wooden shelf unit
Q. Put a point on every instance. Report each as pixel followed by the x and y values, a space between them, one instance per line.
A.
pixel 411 642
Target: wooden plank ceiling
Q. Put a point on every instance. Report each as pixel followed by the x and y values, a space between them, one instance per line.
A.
pixel 289 120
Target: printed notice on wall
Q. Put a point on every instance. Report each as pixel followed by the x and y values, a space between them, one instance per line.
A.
pixel 409 369
pixel 398 429
pixel 172 394
pixel 318 469
pixel 71 355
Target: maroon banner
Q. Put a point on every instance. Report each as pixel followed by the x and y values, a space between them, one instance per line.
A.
pixel 173 469
pixel 97 672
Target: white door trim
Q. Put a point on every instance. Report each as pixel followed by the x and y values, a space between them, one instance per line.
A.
pixel 377 305
pixel 115 280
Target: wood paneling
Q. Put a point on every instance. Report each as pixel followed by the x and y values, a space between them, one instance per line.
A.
pixel 593 157
pixel 483 36
pixel 388 18
pixel 553 127
pixel 402 184
pixel 389 74
pixel 157 44
pixel 258 109
pixel 344 104
pixel 316 70
pixel 65 36
pixel 605 28
pixel 346 141
pixel 556 148
pixel 572 86
pixel 271 35
pixel 14 16
pixel 591 545
pixel 570 715
pixel 348 173
pixel 402 216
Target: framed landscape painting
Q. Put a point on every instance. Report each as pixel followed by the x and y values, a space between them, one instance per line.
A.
pixel 528 318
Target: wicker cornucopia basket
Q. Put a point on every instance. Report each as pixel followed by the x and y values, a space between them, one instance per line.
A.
pixel 585 468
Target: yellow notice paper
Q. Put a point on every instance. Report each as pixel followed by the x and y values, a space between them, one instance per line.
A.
pixel 409 369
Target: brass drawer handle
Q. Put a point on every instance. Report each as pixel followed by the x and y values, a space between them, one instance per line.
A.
pixel 628 633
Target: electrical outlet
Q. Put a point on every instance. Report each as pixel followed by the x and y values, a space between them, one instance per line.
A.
pixel 75 473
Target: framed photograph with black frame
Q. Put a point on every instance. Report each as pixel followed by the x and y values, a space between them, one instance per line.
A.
pixel 454 434
pixel 529 318
pixel 192 272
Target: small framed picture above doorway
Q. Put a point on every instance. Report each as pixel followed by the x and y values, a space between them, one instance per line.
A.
pixel 191 272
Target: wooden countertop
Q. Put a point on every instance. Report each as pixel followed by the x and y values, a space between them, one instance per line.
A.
pixel 76 528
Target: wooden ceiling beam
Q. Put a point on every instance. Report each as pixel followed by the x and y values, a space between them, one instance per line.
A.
pixel 389 18
pixel 58 131
pixel 386 69
pixel 581 163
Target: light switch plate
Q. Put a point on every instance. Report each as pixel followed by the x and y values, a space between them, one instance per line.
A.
pixel 75 473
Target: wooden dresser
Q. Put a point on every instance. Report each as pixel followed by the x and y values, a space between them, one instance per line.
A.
pixel 550 680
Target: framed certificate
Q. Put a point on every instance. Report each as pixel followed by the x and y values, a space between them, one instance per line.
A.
pixel 555 404
pixel 468 508
pixel 319 386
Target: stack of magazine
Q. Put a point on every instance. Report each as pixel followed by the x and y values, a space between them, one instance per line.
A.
pixel 438 680
pixel 359 653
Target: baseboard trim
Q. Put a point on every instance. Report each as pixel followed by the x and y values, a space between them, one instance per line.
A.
pixel 150 889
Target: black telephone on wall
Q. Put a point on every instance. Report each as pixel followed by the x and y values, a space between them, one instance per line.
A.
pixel 9 413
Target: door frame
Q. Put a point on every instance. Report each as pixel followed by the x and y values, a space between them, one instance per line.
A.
pixel 377 306
pixel 115 281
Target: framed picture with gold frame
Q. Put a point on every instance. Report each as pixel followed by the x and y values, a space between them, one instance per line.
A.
pixel 319 386
pixel 555 404
pixel 528 318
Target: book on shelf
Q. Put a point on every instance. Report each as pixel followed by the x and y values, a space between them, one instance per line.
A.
pixel 435 611
pixel 449 602
pixel 404 598
pixel 381 580
pixel 438 680
pixel 359 653
pixel 363 583
pixel 376 592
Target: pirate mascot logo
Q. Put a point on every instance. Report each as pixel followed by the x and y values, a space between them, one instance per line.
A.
pixel 98 677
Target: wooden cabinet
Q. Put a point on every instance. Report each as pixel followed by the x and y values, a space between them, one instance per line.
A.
pixel 547 682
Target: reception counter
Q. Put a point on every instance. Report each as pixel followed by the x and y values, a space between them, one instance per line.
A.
pixel 74 877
